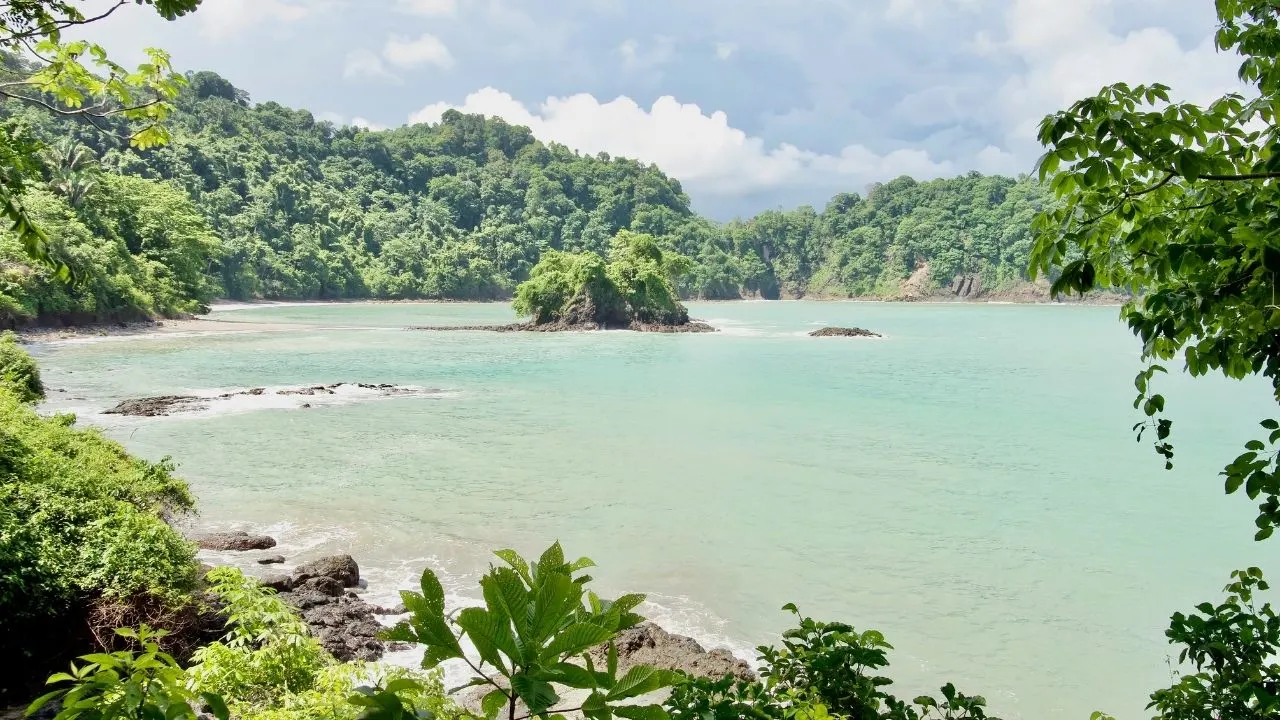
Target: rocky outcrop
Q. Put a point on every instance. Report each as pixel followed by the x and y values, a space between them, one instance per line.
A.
pixel 235 541
pixel 164 405
pixel 343 623
pixel 966 286
pixel 271 560
pixel 340 568
pixel 649 644
pixel 157 406
pixel 843 332
pixel 693 326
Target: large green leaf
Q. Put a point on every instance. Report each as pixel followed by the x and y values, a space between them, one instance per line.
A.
pixel 503 589
pixel 574 676
pixel 552 560
pixel 491 634
pixel 512 558
pixel 557 596
pixel 574 639
pixel 432 591
pixel 641 712
pixel 538 695
pixel 641 679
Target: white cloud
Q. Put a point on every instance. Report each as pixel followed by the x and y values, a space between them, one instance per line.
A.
pixel 703 151
pixel 1069 51
pixel 917 12
pixel 725 50
pixel 366 64
pixel 424 50
pixel 225 19
pixel 366 124
pixel 428 7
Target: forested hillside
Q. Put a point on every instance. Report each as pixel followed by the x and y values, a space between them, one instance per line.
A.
pixel 263 201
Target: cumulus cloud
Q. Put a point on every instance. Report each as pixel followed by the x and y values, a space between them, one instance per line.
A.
pixel 411 53
pixel 340 119
pixel 725 50
pixel 703 150
pixel 1069 51
pixel 428 7
pixel 227 18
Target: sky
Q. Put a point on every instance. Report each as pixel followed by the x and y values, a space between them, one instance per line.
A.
pixel 751 104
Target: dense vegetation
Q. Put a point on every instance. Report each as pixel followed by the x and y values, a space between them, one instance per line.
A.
pixel 298 208
pixel 83 532
pixel 636 285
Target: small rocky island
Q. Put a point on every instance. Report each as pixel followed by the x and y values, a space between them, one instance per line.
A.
pixel 843 332
pixel 632 289
pixel 165 405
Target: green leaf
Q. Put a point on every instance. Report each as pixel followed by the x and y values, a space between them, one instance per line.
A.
pixel 538 695
pixel 432 591
pixel 576 638
pixel 639 680
pixel 493 703
pixel 641 712
pixel 491 635
pixel 43 700
pixel 216 706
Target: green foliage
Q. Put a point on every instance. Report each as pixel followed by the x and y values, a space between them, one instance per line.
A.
pixel 128 685
pixel 823 669
pixel 80 520
pixel 19 373
pixel 1176 200
pixel 637 284
pixel 533 634
pixel 268 652
pixel 1232 649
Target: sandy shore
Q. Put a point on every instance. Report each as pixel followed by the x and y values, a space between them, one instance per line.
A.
pixel 201 325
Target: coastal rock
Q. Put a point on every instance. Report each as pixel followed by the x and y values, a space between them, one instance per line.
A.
pixel 692 326
pixel 234 541
pixel 158 406
pixel 278 582
pixel 649 644
pixel 347 628
pixel 305 597
pixel 843 332
pixel 326 585
pixel 342 568
pixel 397 610
pixel 271 560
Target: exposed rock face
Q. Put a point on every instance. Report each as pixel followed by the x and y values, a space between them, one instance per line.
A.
pixel 345 625
pixel 966 286
pixel 326 585
pixel 235 541
pixel 271 560
pixel 843 332
pixel 157 406
pixel 342 568
pixel 649 644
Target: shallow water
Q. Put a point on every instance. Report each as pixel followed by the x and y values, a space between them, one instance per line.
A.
pixel 967 484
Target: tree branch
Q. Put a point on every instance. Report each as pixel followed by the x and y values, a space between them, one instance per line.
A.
pixel 58 25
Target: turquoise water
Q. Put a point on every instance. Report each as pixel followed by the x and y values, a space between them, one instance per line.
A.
pixel 968 484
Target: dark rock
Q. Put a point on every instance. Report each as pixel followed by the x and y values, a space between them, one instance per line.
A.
pixel 648 644
pixel 396 646
pixel 326 585
pixel 235 541
pixel 342 568
pixel 271 560
pixel 843 332
pixel 305 597
pixel 397 610
pixel 157 406
pixel 278 582
pixel 347 628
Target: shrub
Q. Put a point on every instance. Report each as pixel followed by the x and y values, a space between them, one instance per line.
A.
pixel 268 652
pixel 82 522
pixel 18 370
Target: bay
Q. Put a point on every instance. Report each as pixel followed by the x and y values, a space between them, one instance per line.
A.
pixel 968 484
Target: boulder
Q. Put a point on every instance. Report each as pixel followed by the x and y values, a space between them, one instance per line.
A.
pixel 843 332
pixel 326 585
pixel 347 628
pixel 279 582
pixel 649 644
pixel 342 568
pixel 234 541
pixel 271 560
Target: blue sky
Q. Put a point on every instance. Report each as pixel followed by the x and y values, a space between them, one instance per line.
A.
pixel 753 104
